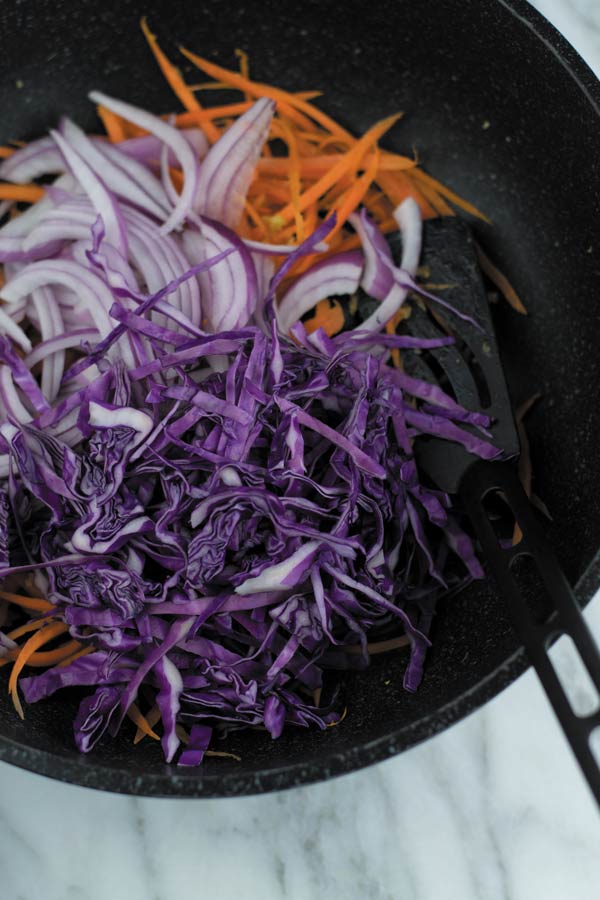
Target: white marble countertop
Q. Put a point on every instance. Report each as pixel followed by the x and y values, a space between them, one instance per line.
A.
pixel 492 809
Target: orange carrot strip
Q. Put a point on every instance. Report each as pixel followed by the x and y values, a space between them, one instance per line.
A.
pixel 353 198
pixel 255 218
pixel 35 603
pixel 294 176
pixel 186 119
pixel 46 658
pixel 177 83
pixel 398 186
pixel 142 723
pixel 113 124
pixel 28 627
pixel 441 206
pixel 244 66
pixel 29 647
pixel 348 162
pixel 283 98
pixel 5 152
pixel 307 95
pixel 152 718
pixel 26 193
pixel 424 178
pixel 329 316
pixel 500 280
pixel 312 167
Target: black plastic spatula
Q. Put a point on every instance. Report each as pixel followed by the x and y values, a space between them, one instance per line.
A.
pixel 471 370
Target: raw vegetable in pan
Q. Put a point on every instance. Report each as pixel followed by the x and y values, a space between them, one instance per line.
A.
pixel 208 492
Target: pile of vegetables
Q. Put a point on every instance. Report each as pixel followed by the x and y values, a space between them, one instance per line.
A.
pixel 207 499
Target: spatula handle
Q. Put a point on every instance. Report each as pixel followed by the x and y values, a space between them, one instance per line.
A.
pixel 564 614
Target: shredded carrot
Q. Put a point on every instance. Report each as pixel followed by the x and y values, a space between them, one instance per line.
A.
pixel 352 199
pixel 329 316
pixel 348 162
pixel 28 627
pixel 294 176
pixel 29 647
pixel 186 119
pixel 440 206
pixel 152 718
pixel 312 167
pixel 178 85
pixel 255 218
pixel 500 280
pixel 34 603
pixel 441 189
pixel 284 99
pixel 142 723
pixel 398 186
pixel 113 124
pixel 5 152
pixel 25 193
pixel 53 657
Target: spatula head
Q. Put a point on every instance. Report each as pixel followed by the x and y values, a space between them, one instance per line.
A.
pixel 469 370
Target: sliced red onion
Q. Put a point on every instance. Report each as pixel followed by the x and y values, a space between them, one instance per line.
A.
pixel 64 341
pixel 377 279
pixel 17 311
pixel 106 260
pixel 228 167
pixel 339 274
pixel 120 174
pixel 408 217
pixel 40 157
pixel 151 196
pixel 170 136
pixel 10 398
pixel 409 221
pixel 229 291
pixel 159 259
pixel 11 250
pixel 92 292
pixel 170 260
pixel 265 269
pixel 7 326
pixel 22 224
pixel 50 325
pixel 147 148
pixel 58 227
pixel 101 198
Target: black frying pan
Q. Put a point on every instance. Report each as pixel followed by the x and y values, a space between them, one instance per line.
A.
pixel 451 65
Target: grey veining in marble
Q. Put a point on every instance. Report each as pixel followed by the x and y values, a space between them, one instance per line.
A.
pixel 493 809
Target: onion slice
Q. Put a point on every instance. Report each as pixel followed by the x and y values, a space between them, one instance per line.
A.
pixel 228 167
pixel 338 274
pixel 172 138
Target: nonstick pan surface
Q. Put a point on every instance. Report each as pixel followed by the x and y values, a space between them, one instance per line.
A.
pixel 505 112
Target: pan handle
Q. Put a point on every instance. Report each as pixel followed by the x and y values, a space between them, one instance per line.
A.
pixel 563 612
